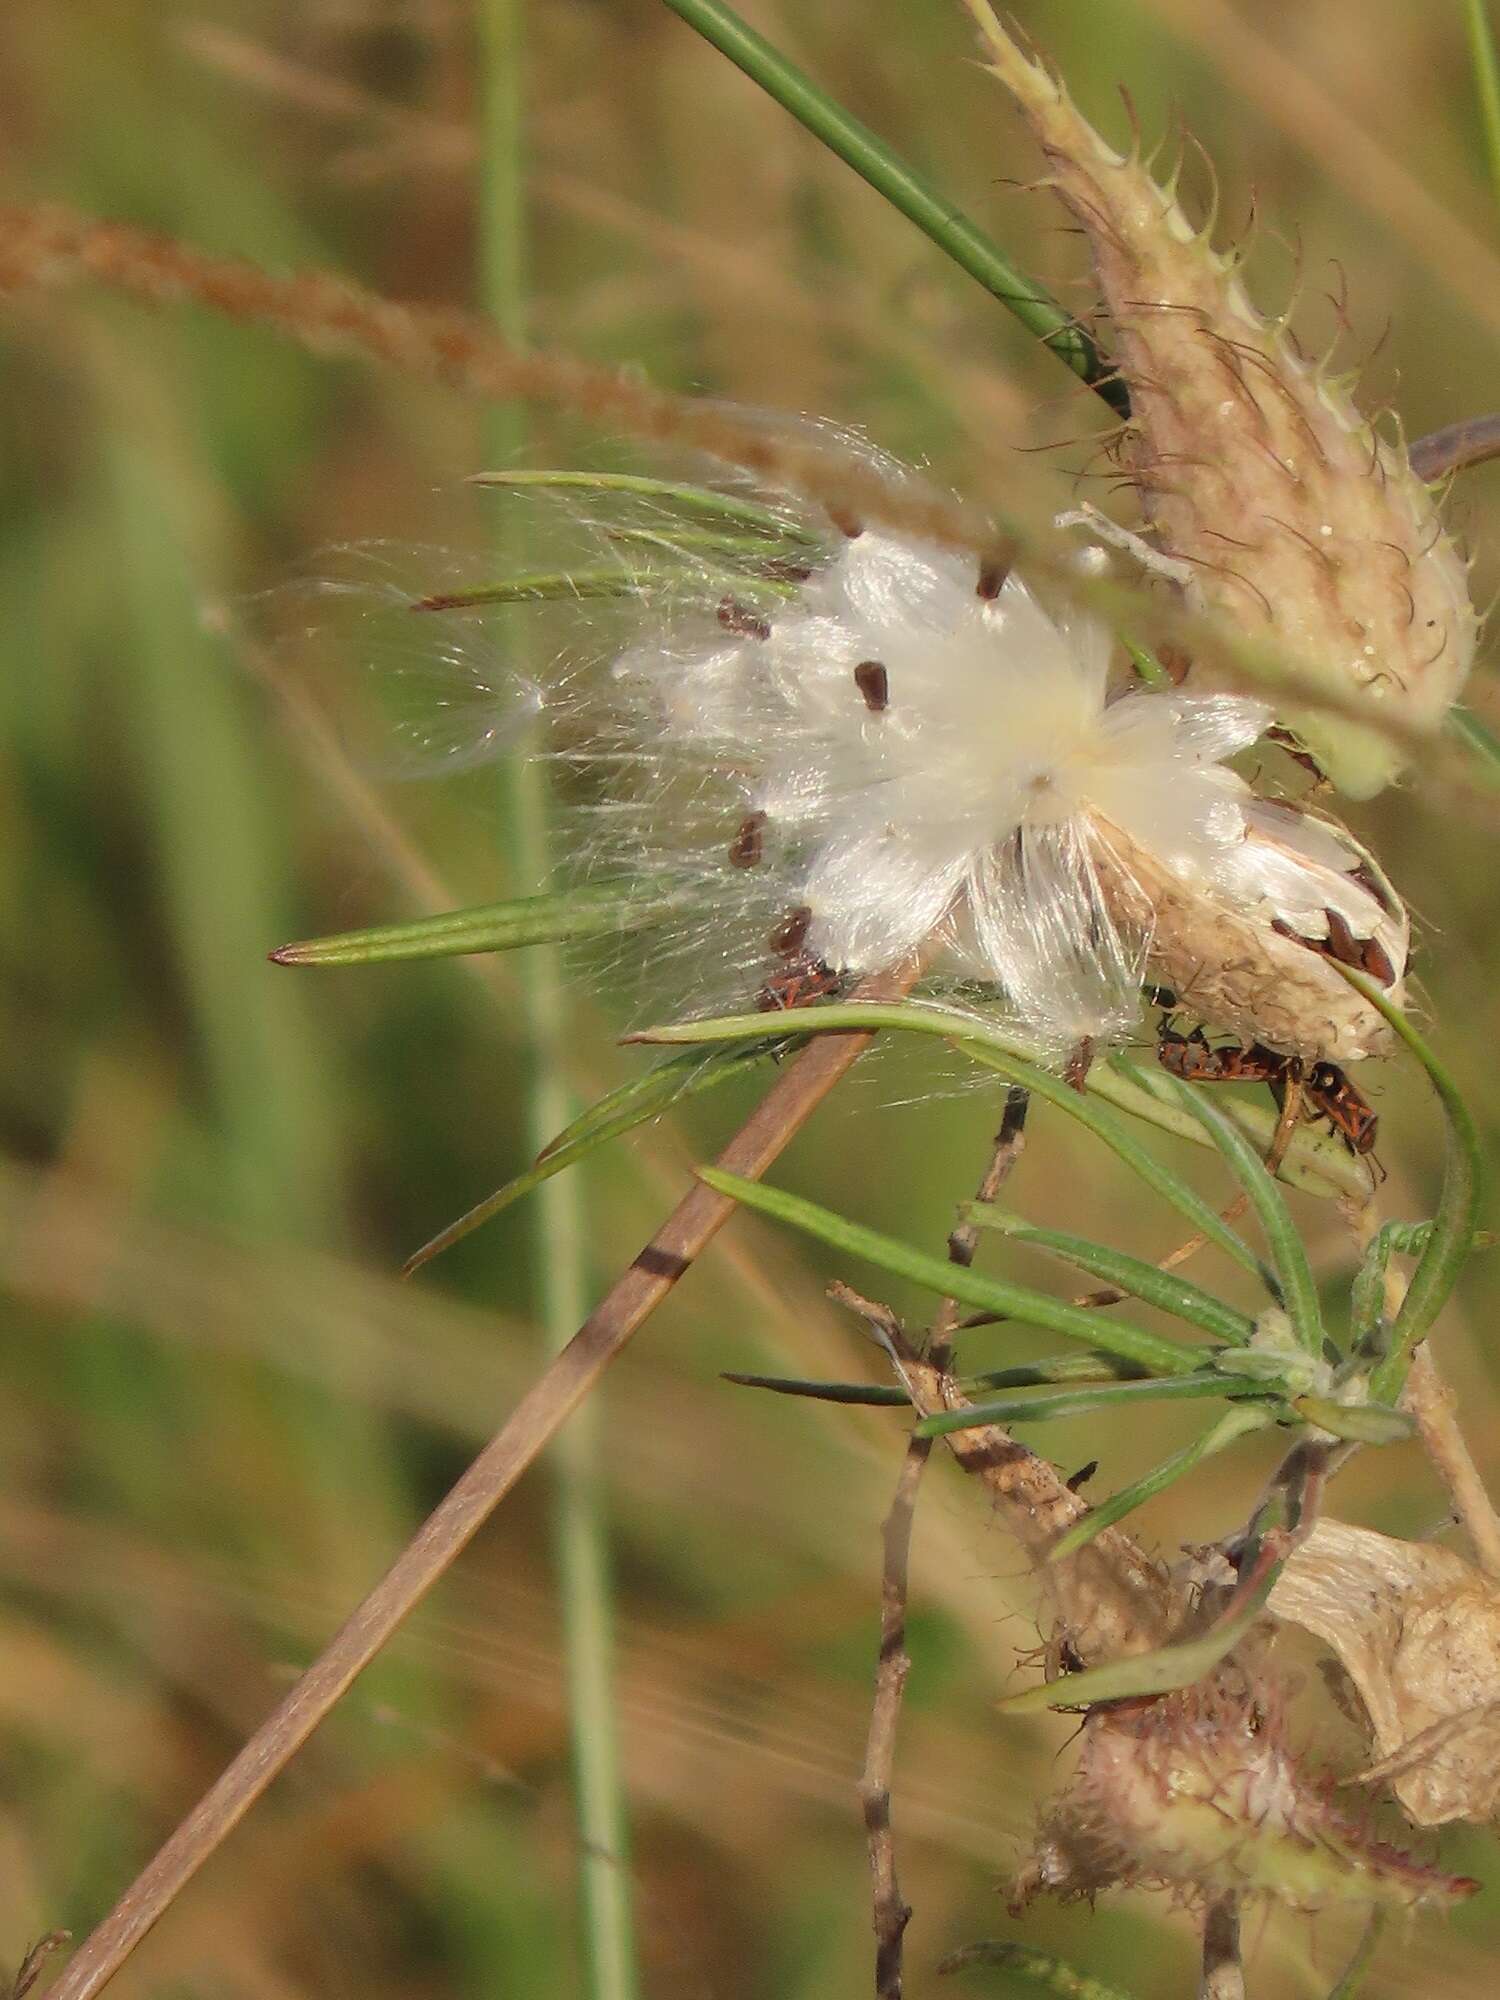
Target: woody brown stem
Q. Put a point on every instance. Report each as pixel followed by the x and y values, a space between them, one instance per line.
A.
pixel 1223 1969
pixel 890 1912
pixel 785 1108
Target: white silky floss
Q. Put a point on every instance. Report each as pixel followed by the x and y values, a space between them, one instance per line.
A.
pixel 936 764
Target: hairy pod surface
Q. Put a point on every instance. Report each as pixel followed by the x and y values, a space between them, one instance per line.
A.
pixel 1296 519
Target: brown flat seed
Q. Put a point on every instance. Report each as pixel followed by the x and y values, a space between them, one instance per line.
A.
pixel 1374 961
pixel 747 847
pixel 737 617
pixel 992 574
pixel 874 683
pixel 1342 943
pixel 790 934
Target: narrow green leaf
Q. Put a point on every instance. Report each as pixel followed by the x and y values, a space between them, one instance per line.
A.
pixel 733 509
pixel 1452 1231
pixel 1086 1402
pixel 1040 1968
pixel 1235 1423
pixel 666 1084
pixel 996 1050
pixel 972 1288
pixel 901 185
pixel 1299 1292
pixel 1071 1367
pixel 1316 1163
pixel 618 1112
pixel 601 910
pixel 1144 1281
pixel 877 1394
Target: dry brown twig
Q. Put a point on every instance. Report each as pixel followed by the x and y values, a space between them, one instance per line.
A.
pixel 890 1912
pixel 45 246
pixel 786 1107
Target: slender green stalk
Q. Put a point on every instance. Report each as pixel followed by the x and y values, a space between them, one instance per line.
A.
pixel 1299 1291
pixel 559 1239
pixel 1450 1240
pixel 1486 82
pixel 907 190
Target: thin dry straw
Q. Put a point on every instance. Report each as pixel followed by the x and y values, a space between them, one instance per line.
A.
pixel 533 1423
pixel 48 245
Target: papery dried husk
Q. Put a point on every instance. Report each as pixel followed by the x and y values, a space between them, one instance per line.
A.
pixel 1234 970
pixel 1300 523
pixel 1199 1794
pixel 1417 1630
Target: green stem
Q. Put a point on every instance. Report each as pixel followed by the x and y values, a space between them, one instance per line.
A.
pixel 559 1238
pixel 1486 82
pixel 907 190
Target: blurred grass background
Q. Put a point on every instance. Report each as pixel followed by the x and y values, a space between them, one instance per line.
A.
pixel 219 1414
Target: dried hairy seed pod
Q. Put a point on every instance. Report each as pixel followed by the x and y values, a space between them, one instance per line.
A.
pixel 1254 958
pixel 1417 1630
pixel 1291 515
pixel 1198 1793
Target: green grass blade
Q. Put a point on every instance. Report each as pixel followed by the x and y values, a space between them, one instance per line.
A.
pixel 1452 1233
pixel 603 910
pixel 730 510
pixel 1299 1291
pixel 994 1050
pixel 611 1117
pixel 1147 1282
pixel 906 190
pixel 1236 1423
pixel 1064 1403
pixel 559 1227
pixel 1486 83
pixel 971 1288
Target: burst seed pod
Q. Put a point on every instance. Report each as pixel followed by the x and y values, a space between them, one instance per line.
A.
pixel 1292 517
pixel 1417 1630
pixel 1255 957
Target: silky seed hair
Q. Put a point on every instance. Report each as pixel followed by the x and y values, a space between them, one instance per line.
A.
pixel 836 745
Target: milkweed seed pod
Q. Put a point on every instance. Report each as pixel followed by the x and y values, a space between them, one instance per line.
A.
pixel 1198 1793
pixel 1298 522
pixel 1258 958
pixel 918 753
pixel 827 748
pixel 1417 1630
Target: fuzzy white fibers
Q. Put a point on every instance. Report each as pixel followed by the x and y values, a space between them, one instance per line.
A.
pixel 855 747
pixel 917 760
